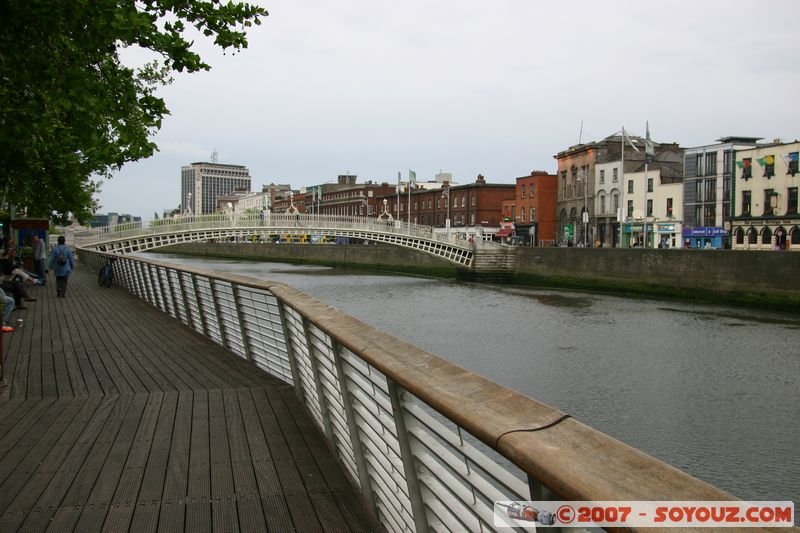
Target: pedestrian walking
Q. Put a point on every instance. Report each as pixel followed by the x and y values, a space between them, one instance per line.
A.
pixel 39 256
pixel 62 261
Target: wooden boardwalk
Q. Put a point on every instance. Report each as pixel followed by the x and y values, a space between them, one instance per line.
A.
pixel 116 417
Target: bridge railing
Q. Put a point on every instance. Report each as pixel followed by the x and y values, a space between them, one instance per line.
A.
pixel 431 445
pixel 276 221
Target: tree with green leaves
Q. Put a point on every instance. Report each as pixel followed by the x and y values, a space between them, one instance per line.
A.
pixel 71 113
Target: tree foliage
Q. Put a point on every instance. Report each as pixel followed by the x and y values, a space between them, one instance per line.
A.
pixel 70 112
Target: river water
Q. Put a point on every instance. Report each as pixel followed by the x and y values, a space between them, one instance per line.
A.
pixel 712 390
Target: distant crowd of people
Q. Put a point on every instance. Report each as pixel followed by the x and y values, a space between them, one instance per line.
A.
pixel 16 281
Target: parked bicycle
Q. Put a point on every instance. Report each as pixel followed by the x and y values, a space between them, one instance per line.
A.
pixel 106 275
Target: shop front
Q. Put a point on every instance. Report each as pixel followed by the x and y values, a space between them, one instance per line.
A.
pixel 634 235
pixel 668 235
pixel 706 238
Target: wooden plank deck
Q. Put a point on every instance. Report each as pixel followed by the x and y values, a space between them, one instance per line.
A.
pixel 117 417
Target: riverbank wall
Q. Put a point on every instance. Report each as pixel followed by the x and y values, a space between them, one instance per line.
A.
pixel 769 279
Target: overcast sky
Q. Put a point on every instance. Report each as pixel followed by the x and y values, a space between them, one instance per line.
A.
pixel 373 87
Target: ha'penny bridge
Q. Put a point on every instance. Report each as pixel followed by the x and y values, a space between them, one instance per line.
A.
pixel 476 255
pixel 188 400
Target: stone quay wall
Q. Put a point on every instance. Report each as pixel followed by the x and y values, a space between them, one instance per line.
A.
pixel 769 278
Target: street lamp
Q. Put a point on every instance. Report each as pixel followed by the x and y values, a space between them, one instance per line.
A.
pixel 189 202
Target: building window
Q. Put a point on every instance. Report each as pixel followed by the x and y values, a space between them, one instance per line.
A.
pixel 699 165
pixel 711 164
pixel 766 236
pixel 740 236
pixel 472 218
pixel 669 207
pixel 474 197
pixel 530 215
pixel 752 236
pixel 768 162
pixel 791 204
pixel 602 203
pixel 615 199
pixel 531 191
pixel 630 186
pixel 438 203
pixel 649 184
pixel 710 194
pixel 630 208
pixel 415 206
pixel 796 235
pixel 792 162
pixel 455 201
pixel 614 177
pixel 522 191
pixel 522 214
pixel 709 215
pixel 747 168
pixel 649 208
pixel 769 208
pixel 463 201
pixel 726 162
pixel 563 184
pixel 698 190
pixel 602 176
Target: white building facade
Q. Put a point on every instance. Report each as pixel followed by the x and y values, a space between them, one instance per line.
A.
pixel 652 210
pixel 766 198
pixel 203 182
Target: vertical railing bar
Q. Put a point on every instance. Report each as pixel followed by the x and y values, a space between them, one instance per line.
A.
pixel 185 297
pixel 240 318
pixel 176 312
pixel 409 466
pixel 364 479
pixel 290 354
pixel 217 312
pixel 540 493
pixel 323 399
pixel 198 301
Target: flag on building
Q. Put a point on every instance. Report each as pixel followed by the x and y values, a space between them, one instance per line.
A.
pixel 630 141
pixel 649 148
pixel 412 177
pixel 398 182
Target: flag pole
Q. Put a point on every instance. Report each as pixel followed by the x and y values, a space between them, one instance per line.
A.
pixel 621 186
pixel 398 195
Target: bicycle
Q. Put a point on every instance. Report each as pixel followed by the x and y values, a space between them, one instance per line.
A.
pixel 106 275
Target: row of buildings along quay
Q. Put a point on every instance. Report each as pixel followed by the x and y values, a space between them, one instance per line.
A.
pixel 622 191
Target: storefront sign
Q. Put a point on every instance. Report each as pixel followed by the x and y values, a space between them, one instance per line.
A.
pixel 705 232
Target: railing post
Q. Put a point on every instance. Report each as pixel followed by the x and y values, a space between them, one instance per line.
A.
pixel 290 354
pixel 240 318
pixel 217 313
pixel 355 435
pixel 409 467
pixel 540 493
pixel 203 326
pixel 323 399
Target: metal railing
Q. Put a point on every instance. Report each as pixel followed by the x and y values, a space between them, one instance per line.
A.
pixel 275 221
pixel 430 445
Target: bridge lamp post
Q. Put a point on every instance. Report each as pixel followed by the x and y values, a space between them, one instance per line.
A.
pixel 189 203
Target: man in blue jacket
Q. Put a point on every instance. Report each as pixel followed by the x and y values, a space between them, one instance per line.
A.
pixel 61 263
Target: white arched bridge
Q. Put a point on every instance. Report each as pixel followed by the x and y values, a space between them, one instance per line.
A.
pixel 139 237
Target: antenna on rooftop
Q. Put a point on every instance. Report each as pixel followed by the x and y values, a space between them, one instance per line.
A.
pixel 214 156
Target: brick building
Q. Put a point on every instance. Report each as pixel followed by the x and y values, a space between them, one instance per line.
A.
pixel 534 208
pixel 474 204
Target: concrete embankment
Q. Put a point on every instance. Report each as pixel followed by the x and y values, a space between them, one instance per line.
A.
pixel 761 278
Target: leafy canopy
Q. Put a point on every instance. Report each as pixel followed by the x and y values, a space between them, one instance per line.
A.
pixel 70 110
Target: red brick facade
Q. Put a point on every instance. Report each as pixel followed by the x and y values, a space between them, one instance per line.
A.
pixel 475 204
